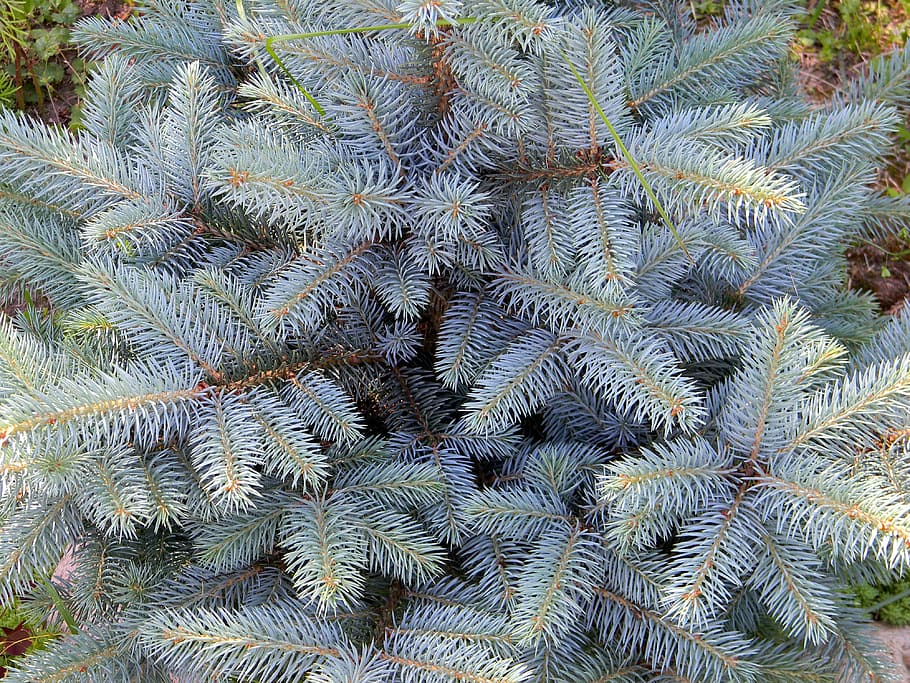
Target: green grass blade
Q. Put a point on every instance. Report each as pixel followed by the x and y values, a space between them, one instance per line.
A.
pixel 241 12
pixel 627 155
pixel 270 48
pixel 284 37
pixel 62 609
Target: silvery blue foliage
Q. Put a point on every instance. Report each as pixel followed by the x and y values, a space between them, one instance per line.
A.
pixel 423 388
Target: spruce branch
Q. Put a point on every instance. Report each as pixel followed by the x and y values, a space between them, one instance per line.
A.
pixel 628 157
pixel 271 40
pixel 398 346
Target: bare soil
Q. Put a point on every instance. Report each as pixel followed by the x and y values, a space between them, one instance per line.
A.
pixel 872 267
pixel 875 268
pixel 58 106
pixel 896 640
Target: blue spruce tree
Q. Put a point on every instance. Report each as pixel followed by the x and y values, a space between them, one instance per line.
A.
pixel 481 341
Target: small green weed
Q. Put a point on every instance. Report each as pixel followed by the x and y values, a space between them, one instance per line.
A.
pixel 890 604
pixel 33 40
pixel 7 90
pixel 707 8
pixel 858 27
pixel 19 635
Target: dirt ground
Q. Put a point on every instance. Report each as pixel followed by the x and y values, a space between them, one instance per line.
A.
pixel 884 269
pixel 897 640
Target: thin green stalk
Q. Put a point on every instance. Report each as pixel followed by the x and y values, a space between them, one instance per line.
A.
pixel 892 255
pixel 61 606
pixel 627 155
pixel 816 13
pixel 887 601
pixel 241 12
pixel 285 37
pixel 282 38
